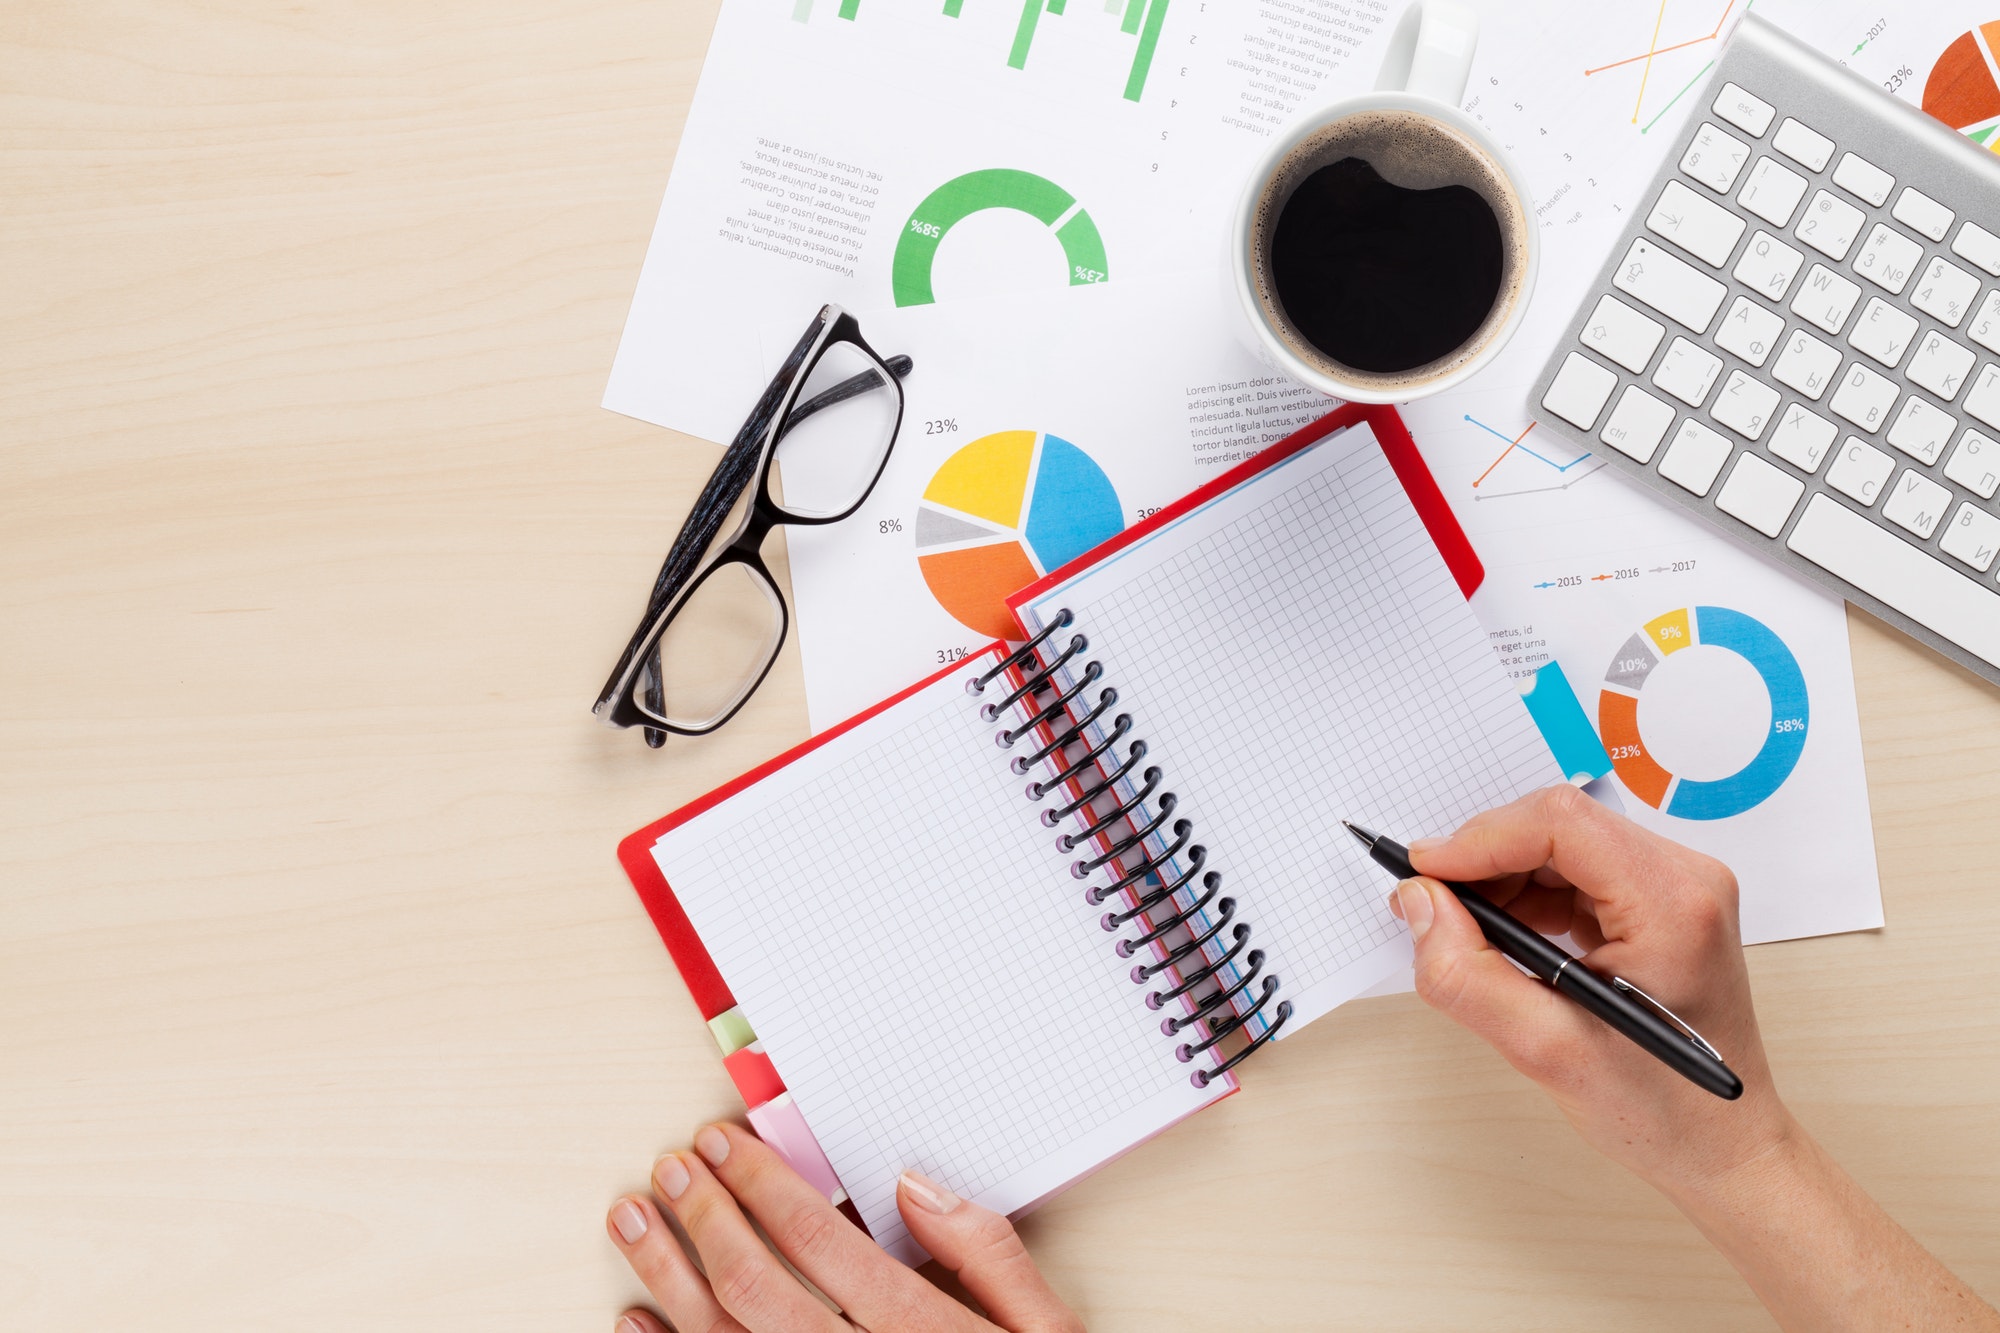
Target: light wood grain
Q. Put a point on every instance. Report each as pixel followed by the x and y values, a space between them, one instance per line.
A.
pixel 323 1004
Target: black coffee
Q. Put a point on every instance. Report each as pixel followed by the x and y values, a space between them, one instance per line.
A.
pixel 1382 278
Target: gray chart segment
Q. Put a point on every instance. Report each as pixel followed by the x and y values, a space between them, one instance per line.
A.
pixel 935 529
pixel 1634 663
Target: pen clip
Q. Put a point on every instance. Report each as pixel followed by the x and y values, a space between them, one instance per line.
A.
pixel 1701 1042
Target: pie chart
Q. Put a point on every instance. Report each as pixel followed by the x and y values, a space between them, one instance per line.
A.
pixel 1639 661
pixel 1963 91
pixel 1003 511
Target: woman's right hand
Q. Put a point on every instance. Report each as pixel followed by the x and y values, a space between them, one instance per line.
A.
pixel 1815 1248
pixel 1645 909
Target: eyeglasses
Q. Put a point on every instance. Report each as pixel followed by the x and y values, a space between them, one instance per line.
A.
pixel 716 620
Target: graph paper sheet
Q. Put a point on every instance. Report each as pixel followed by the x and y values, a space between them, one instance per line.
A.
pixel 1295 653
pixel 922 968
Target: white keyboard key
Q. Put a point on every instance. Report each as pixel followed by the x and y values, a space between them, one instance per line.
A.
pixel 1761 495
pixel 1768 266
pixel 1945 292
pixel 1859 470
pixel 1883 332
pixel 1864 180
pixel 1807 365
pixel 1830 226
pixel 1750 114
pixel 1986 324
pixel 1715 158
pixel 1883 565
pixel 1864 397
pixel 1802 438
pixel 1695 456
pixel 1674 287
pixel 1983 401
pixel 1687 372
pixel 1922 431
pixel 1773 192
pixel 1972 537
pixel 1579 391
pixel 1940 365
pixel 1916 504
pixel 1975 465
pixel 1922 214
pixel 1804 145
pixel 1703 228
pixel 1749 330
pixel 1617 331
pixel 1638 424
pixel 1826 299
pixel 1888 258
pixel 1979 246
pixel 1745 405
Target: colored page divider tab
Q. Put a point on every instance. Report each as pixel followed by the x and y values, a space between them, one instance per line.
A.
pixel 731 1030
pixel 1564 725
pixel 781 1124
pixel 754 1075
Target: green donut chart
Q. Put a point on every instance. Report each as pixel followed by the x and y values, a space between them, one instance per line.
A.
pixel 976 191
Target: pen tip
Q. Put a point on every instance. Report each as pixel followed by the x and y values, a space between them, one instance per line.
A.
pixel 1361 834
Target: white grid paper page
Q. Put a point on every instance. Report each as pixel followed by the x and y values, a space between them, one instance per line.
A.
pixel 922 968
pixel 1296 653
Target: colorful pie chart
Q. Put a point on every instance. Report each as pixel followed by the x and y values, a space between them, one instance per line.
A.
pixel 1638 661
pixel 1003 511
pixel 1963 90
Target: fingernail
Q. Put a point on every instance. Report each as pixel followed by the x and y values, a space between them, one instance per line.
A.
pixel 712 1144
pixel 929 1194
pixel 1427 844
pixel 1416 903
pixel 628 1324
pixel 670 1176
pixel 631 1223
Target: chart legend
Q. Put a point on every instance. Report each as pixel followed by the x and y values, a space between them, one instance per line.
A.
pixel 1003 511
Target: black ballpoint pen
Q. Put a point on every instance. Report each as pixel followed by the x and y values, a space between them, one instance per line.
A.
pixel 1656 1028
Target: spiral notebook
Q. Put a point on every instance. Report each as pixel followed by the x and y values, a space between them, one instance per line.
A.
pixel 1030 912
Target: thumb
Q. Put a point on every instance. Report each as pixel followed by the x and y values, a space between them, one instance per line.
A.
pixel 982 1247
pixel 1463 977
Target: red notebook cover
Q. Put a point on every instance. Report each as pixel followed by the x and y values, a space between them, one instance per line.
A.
pixel 704 982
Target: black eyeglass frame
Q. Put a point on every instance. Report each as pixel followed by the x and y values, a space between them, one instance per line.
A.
pixel 695 556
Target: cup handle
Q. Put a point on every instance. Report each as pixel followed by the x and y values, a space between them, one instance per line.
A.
pixel 1431 53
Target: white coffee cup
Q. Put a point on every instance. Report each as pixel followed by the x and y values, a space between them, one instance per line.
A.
pixel 1423 76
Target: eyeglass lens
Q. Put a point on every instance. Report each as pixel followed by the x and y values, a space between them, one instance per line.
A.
pixel 717 646
pixel 841 425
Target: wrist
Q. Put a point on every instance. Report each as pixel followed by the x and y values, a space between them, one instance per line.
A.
pixel 1773 1160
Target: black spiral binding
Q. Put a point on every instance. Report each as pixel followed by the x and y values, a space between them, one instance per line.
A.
pixel 1127 825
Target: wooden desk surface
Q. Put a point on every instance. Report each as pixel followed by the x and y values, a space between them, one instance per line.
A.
pixel 323 1003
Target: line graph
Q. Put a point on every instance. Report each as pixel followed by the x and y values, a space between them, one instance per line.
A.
pixel 1651 54
pixel 1517 446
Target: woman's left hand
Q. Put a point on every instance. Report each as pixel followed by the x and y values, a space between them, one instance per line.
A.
pixel 732 1173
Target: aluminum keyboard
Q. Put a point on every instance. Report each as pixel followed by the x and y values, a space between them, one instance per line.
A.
pixel 1797 338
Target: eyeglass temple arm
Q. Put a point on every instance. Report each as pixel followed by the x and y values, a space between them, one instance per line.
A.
pixel 851 387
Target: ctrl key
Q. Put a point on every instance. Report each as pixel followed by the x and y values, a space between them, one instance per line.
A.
pixel 1580 390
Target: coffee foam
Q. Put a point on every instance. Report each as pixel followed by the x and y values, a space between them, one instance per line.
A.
pixel 1409 149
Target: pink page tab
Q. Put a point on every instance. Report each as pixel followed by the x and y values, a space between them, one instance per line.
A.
pixel 780 1123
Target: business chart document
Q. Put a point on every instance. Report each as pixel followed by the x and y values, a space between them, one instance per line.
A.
pixel 1034 428
pixel 881 154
